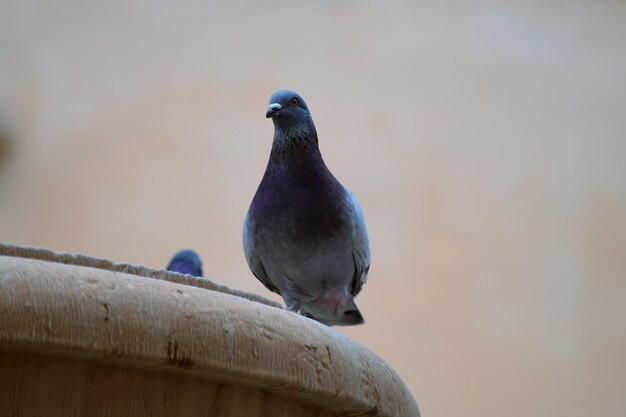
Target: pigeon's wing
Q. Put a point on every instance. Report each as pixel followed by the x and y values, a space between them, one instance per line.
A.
pixel 361 246
pixel 256 266
pixel 253 260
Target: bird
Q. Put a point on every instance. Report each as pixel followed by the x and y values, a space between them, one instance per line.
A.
pixel 304 235
pixel 186 262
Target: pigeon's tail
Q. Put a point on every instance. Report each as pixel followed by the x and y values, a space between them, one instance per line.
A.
pixel 350 316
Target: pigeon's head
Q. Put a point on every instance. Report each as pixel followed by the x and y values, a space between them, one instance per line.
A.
pixel 186 262
pixel 289 112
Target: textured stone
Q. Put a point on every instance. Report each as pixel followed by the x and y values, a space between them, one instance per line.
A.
pixel 80 337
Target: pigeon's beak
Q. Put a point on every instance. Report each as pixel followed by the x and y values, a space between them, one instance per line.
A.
pixel 272 109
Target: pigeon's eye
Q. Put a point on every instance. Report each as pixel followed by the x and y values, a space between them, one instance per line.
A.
pixel 294 102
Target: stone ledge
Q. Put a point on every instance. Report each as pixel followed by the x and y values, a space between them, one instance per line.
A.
pixel 97 312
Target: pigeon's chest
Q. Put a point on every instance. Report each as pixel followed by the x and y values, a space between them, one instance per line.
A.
pixel 300 211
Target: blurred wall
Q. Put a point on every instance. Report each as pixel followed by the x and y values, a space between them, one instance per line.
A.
pixel 485 141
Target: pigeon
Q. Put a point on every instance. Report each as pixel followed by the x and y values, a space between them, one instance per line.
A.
pixel 186 262
pixel 304 235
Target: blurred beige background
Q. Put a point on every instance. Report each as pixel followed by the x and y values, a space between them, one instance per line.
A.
pixel 485 141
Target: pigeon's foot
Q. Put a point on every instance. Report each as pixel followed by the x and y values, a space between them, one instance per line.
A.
pixel 334 300
pixel 292 305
